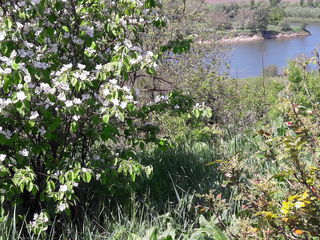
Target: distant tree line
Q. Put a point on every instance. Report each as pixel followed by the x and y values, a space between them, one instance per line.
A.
pixel 257 16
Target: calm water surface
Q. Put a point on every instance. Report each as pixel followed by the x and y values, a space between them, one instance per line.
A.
pixel 245 59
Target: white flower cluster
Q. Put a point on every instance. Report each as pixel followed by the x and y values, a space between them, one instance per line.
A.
pixel 62 206
pixel 25 53
pixel 57 75
pixel 6 133
pixel 161 98
pixel 24 152
pixel 4 103
pixel 34 115
pixel 45 88
pixel 89 30
pixel 63 188
pixel 5 71
pixel 40 221
pixel 107 98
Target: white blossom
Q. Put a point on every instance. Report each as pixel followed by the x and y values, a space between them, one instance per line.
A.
pixel 125 88
pixel 13 54
pixel 4 103
pixel 27 78
pixel 24 153
pixel 63 188
pixel 45 87
pixel 81 66
pixel 61 97
pixel 6 133
pixel 84 75
pixel 21 96
pixel 123 22
pixel 117 47
pixel 105 92
pixel 35 2
pixel 34 115
pixel 113 81
pixel 165 98
pixel 69 103
pixel 2 35
pixel 85 97
pixel 123 105
pixel 77 101
pixel 149 56
pixel 137 92
pixel 66 67
pixel 115 102
pixel 99 67
pixel 76 117
pixel 2 157
pixel 129 97
pixel 21 3
pixel 78 41
pixel 19 25
pixel 39 219
pixel 41 65
pixel 90 31
pixel 128 43
pixel 98 176
pixel 133 21
pixel 157 99
pixel 136 48
pixel 7 70
pixel 61 207
pixel 42 130
pixel 35 216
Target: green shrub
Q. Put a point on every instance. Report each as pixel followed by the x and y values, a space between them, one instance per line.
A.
pixel 271 71
pixel 68 115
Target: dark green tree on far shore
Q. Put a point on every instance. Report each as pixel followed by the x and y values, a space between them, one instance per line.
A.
pixel 261 19
pixel 274 3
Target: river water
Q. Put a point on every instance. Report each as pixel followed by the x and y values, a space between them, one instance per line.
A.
pixel 247 59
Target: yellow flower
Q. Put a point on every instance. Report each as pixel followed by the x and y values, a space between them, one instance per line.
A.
pixel 298 232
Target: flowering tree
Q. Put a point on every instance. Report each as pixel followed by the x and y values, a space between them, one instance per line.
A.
pixel 67 111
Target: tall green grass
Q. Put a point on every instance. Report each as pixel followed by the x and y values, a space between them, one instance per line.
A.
pixel 142 223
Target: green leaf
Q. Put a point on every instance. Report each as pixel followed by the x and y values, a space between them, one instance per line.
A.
pixel 65 28
pixel 29 186
pixel 105 118
pixel 74 127
pixel 87 177
pixel 15 66
pixel 8 23
pixel 108 131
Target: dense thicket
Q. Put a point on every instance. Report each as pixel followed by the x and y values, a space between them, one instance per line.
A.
pixel 117 123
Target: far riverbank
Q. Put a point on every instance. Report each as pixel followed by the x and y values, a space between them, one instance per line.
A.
pixel 242 37
pixel 249 57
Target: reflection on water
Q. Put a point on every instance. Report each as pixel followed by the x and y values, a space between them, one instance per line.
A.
pixel 247 59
